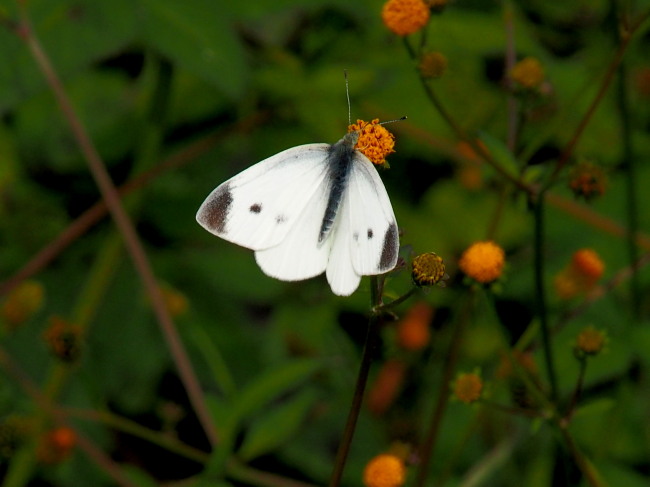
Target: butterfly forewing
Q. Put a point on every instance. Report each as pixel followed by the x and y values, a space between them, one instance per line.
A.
pixel 258 207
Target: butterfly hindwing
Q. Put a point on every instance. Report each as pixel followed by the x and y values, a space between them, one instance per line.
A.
pixel 260 206
pixel 372 232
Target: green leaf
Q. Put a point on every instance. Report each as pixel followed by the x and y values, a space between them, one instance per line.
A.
pixel 500 153
pixel 273 383
pixel 278 426
pixel 198 36
pixel 599 406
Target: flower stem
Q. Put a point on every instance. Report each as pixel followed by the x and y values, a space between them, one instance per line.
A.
pixel 362 378
pixel 540 293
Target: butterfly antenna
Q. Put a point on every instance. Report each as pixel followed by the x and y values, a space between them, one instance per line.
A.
pixel 391 121
pixel 347 94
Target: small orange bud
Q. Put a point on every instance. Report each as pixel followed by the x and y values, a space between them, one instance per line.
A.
pixel 22 303
pixel 581 275
pixel 590 341
pixel 468 387
pixel 64 339
pixel 413 330
pixel 386 387
pixel 432 65
pixel 56 445
pixel 528 73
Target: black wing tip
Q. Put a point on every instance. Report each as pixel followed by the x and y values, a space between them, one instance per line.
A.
pixel 390 248
pixel 213 213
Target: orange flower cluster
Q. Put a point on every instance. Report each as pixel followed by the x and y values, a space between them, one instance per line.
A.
pixel 468 387
pixel 528 73
pixel 590 341
pixel 56 445
pixel 375 142
pixel 428 269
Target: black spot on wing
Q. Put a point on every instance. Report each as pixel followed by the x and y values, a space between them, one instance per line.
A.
pixel 215 210
pixel 390 249
pixel 370 233
pixel 256 208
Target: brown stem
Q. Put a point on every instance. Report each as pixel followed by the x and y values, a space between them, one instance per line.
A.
pixel 124 225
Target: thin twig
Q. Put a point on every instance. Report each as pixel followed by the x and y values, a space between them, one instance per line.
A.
pixel 123 223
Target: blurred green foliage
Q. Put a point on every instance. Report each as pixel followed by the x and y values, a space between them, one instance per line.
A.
pixel 215 86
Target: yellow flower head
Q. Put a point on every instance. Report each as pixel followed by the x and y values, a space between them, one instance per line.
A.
pixel 528 73
pixel 483 261
pixel 468 387
pixel 384 471
pixel 590 341
pixel 375 142
pixel 405 17
pixel 413 331
pixel 432 65
pixel 428 269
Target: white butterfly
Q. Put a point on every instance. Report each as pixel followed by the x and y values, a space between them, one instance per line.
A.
pixel 310 209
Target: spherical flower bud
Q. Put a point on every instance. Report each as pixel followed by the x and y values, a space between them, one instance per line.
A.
pixel 64 339
pixel 590 341
pixel 587 180
pixel 405 17
pixel 56 445
pixel 468 387
pixel 432 65
pixel 384 471
pixel 413 331
pixel 22 303
pixel 386 387
pixel 428 269
pixel 528 73
pixel 375 142
pixel 483 261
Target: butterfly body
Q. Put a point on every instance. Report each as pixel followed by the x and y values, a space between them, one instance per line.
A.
pixel 307 210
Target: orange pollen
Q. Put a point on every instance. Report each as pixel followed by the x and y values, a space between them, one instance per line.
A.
pixel 375 142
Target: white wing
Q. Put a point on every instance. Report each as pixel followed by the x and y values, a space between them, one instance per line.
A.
pixel 262 205
pixel 365 239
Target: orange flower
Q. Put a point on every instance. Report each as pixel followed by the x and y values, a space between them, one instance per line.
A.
pixel 483 261
pixel 468 387
pixel 581 275
pixel 529 73
pixel 590 341
pixel 386 386
pixel 56 445
pixel 413 330
pixel 405 17
pixel 384 471
pixel 375 142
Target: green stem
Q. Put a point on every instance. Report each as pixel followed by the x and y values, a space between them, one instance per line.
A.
pixel 540 293
pixel 362 378
pixel 427 447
